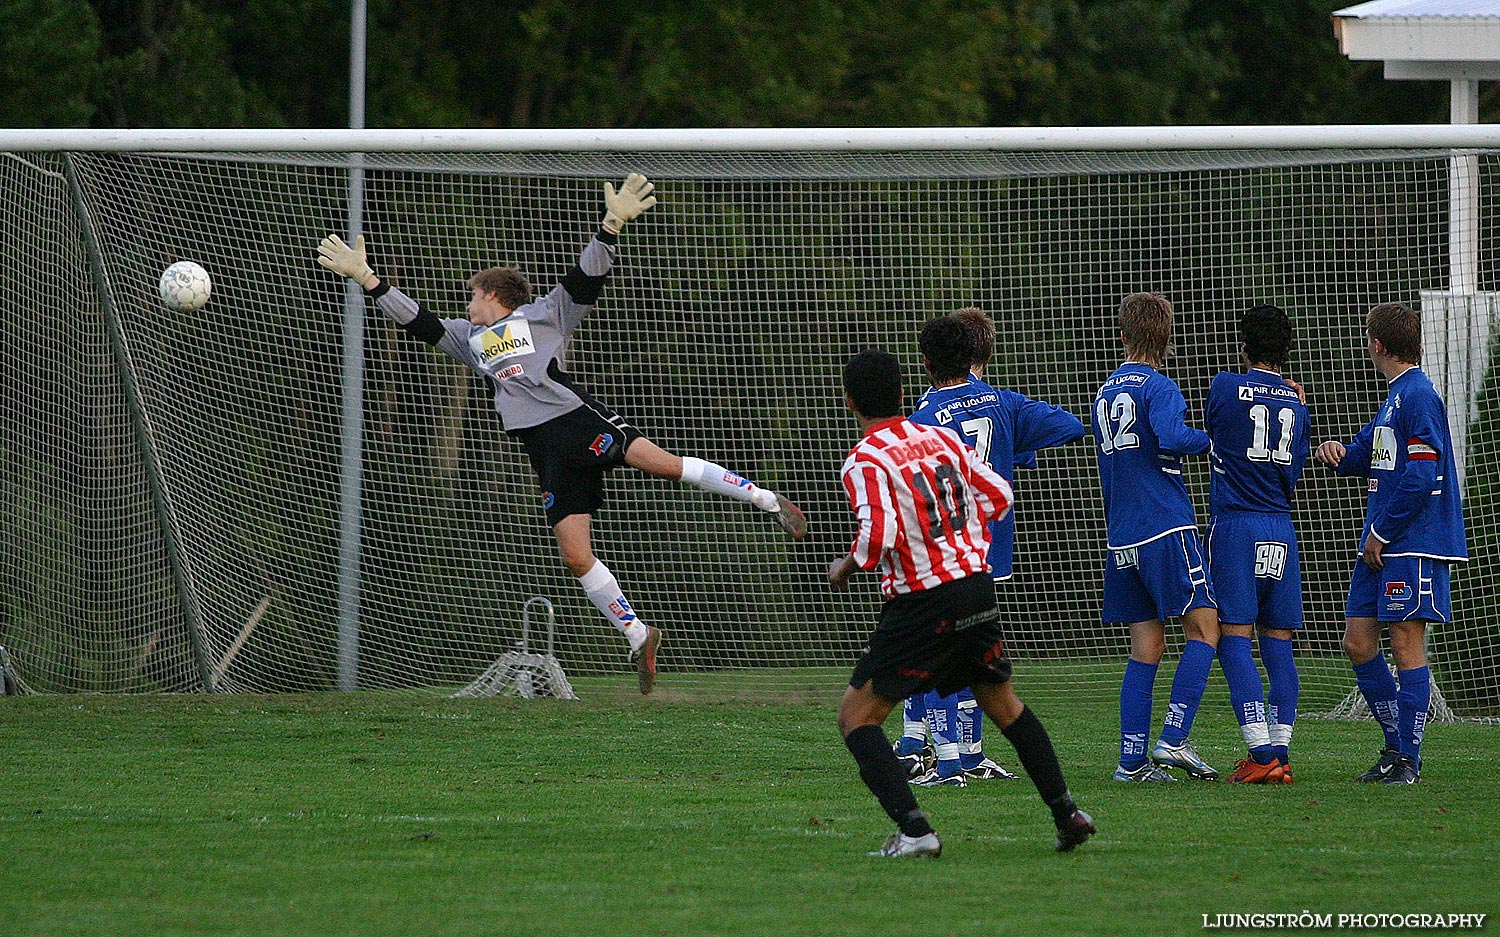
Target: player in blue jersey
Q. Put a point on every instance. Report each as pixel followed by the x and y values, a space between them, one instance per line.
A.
pixel 1005 428
pixel 1155 568
pixel 1259 428
pixel 1413 532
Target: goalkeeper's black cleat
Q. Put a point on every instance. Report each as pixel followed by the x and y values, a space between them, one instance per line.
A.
pixel 1383 766
pixel 791 518
pixel 645 659
pixel 1074 831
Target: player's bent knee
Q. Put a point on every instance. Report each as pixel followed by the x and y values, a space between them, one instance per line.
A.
pixel 1358 647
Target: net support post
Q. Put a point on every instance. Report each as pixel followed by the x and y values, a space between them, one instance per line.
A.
pixel 139 422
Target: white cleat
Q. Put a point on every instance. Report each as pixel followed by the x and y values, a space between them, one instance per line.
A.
pixel 1146 773
pixel 901 846
pixel 988 770
pixel 1183 756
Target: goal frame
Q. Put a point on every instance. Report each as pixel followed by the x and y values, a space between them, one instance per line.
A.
pixel 1464 226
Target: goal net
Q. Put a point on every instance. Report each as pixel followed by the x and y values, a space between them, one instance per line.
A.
pixel 171 481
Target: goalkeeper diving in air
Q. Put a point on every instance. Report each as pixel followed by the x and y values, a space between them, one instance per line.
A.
pixel 517 341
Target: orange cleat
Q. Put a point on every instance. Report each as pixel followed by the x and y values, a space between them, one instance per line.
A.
pixel 1251 772
pixel 1286 773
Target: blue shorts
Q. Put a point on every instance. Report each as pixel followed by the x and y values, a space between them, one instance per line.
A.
pixel 1406 588
pixel 1161 579
pixel 1257 577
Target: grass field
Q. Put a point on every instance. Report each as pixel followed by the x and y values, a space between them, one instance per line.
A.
pixel 414 815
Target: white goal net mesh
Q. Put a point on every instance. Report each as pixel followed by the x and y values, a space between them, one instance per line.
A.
pixel 171 480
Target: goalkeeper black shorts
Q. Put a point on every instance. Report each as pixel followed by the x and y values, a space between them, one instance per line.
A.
pixel 571 453
pixel 946 637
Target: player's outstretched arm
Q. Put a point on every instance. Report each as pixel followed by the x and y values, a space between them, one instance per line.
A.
pixel 1351 459
pixel 347 261
pixel 634 196
pixel 1331 452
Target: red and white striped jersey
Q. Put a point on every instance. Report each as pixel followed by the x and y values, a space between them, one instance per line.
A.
pixel 924 501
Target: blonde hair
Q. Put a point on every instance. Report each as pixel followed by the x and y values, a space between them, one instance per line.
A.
pixel 981 329
pixel 1146 322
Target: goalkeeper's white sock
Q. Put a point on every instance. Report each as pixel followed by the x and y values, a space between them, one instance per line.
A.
pixel 600 586
pixel 716 478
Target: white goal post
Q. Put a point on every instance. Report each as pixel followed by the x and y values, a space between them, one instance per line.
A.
pixel 175 481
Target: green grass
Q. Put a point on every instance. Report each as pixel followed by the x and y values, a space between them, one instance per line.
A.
pixel 379 814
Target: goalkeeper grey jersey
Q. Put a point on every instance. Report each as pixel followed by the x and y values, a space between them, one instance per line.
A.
pixel 522 353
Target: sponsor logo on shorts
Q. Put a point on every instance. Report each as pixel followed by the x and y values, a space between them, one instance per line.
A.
pixel 1397 590
pixel 1126 558
pixel 548 499
pixel 601 443
pixel 969 621
pixel 1270 559
pixel 914 673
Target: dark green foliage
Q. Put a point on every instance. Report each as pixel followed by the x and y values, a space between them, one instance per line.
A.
pixel 692 63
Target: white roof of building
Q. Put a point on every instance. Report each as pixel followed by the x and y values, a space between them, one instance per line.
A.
pixel 1424 39
pixel 1405 9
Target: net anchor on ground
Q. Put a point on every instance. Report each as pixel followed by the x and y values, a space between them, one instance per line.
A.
pixel 522 672
pixel 10 684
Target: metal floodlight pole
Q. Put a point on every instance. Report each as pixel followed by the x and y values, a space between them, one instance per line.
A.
pixel 352 442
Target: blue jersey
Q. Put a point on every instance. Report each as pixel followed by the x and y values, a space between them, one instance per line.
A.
pixel 1260 442
pixel 1005 429
pixel 1140 438
pixel 1414 503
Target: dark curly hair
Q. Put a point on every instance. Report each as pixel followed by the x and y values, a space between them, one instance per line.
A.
pixel 1267 334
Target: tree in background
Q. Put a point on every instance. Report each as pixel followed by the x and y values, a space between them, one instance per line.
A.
pixel 694 63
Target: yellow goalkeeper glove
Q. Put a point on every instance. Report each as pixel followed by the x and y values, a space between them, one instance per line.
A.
pixel 342 259
pixel 633 198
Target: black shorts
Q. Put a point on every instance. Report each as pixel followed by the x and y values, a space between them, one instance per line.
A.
pixel 571 453
pixel 946 637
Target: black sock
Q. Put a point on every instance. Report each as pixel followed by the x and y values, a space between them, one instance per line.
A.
pixel 886 779
pixel 1034 748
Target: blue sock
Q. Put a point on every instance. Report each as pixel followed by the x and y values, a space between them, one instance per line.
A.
pixel 1188 684
pixel 1135 712
pixel 1281 700
pixel 913 725
pixel 942 719
pixel 1413 699
pixel 1246 695
pixel 970 730
pixel 1379 688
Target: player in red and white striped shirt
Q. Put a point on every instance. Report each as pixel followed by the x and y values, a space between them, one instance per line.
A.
pixel 905 477
pixel 923 500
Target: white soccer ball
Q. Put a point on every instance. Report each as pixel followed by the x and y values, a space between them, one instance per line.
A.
pixel 185 286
